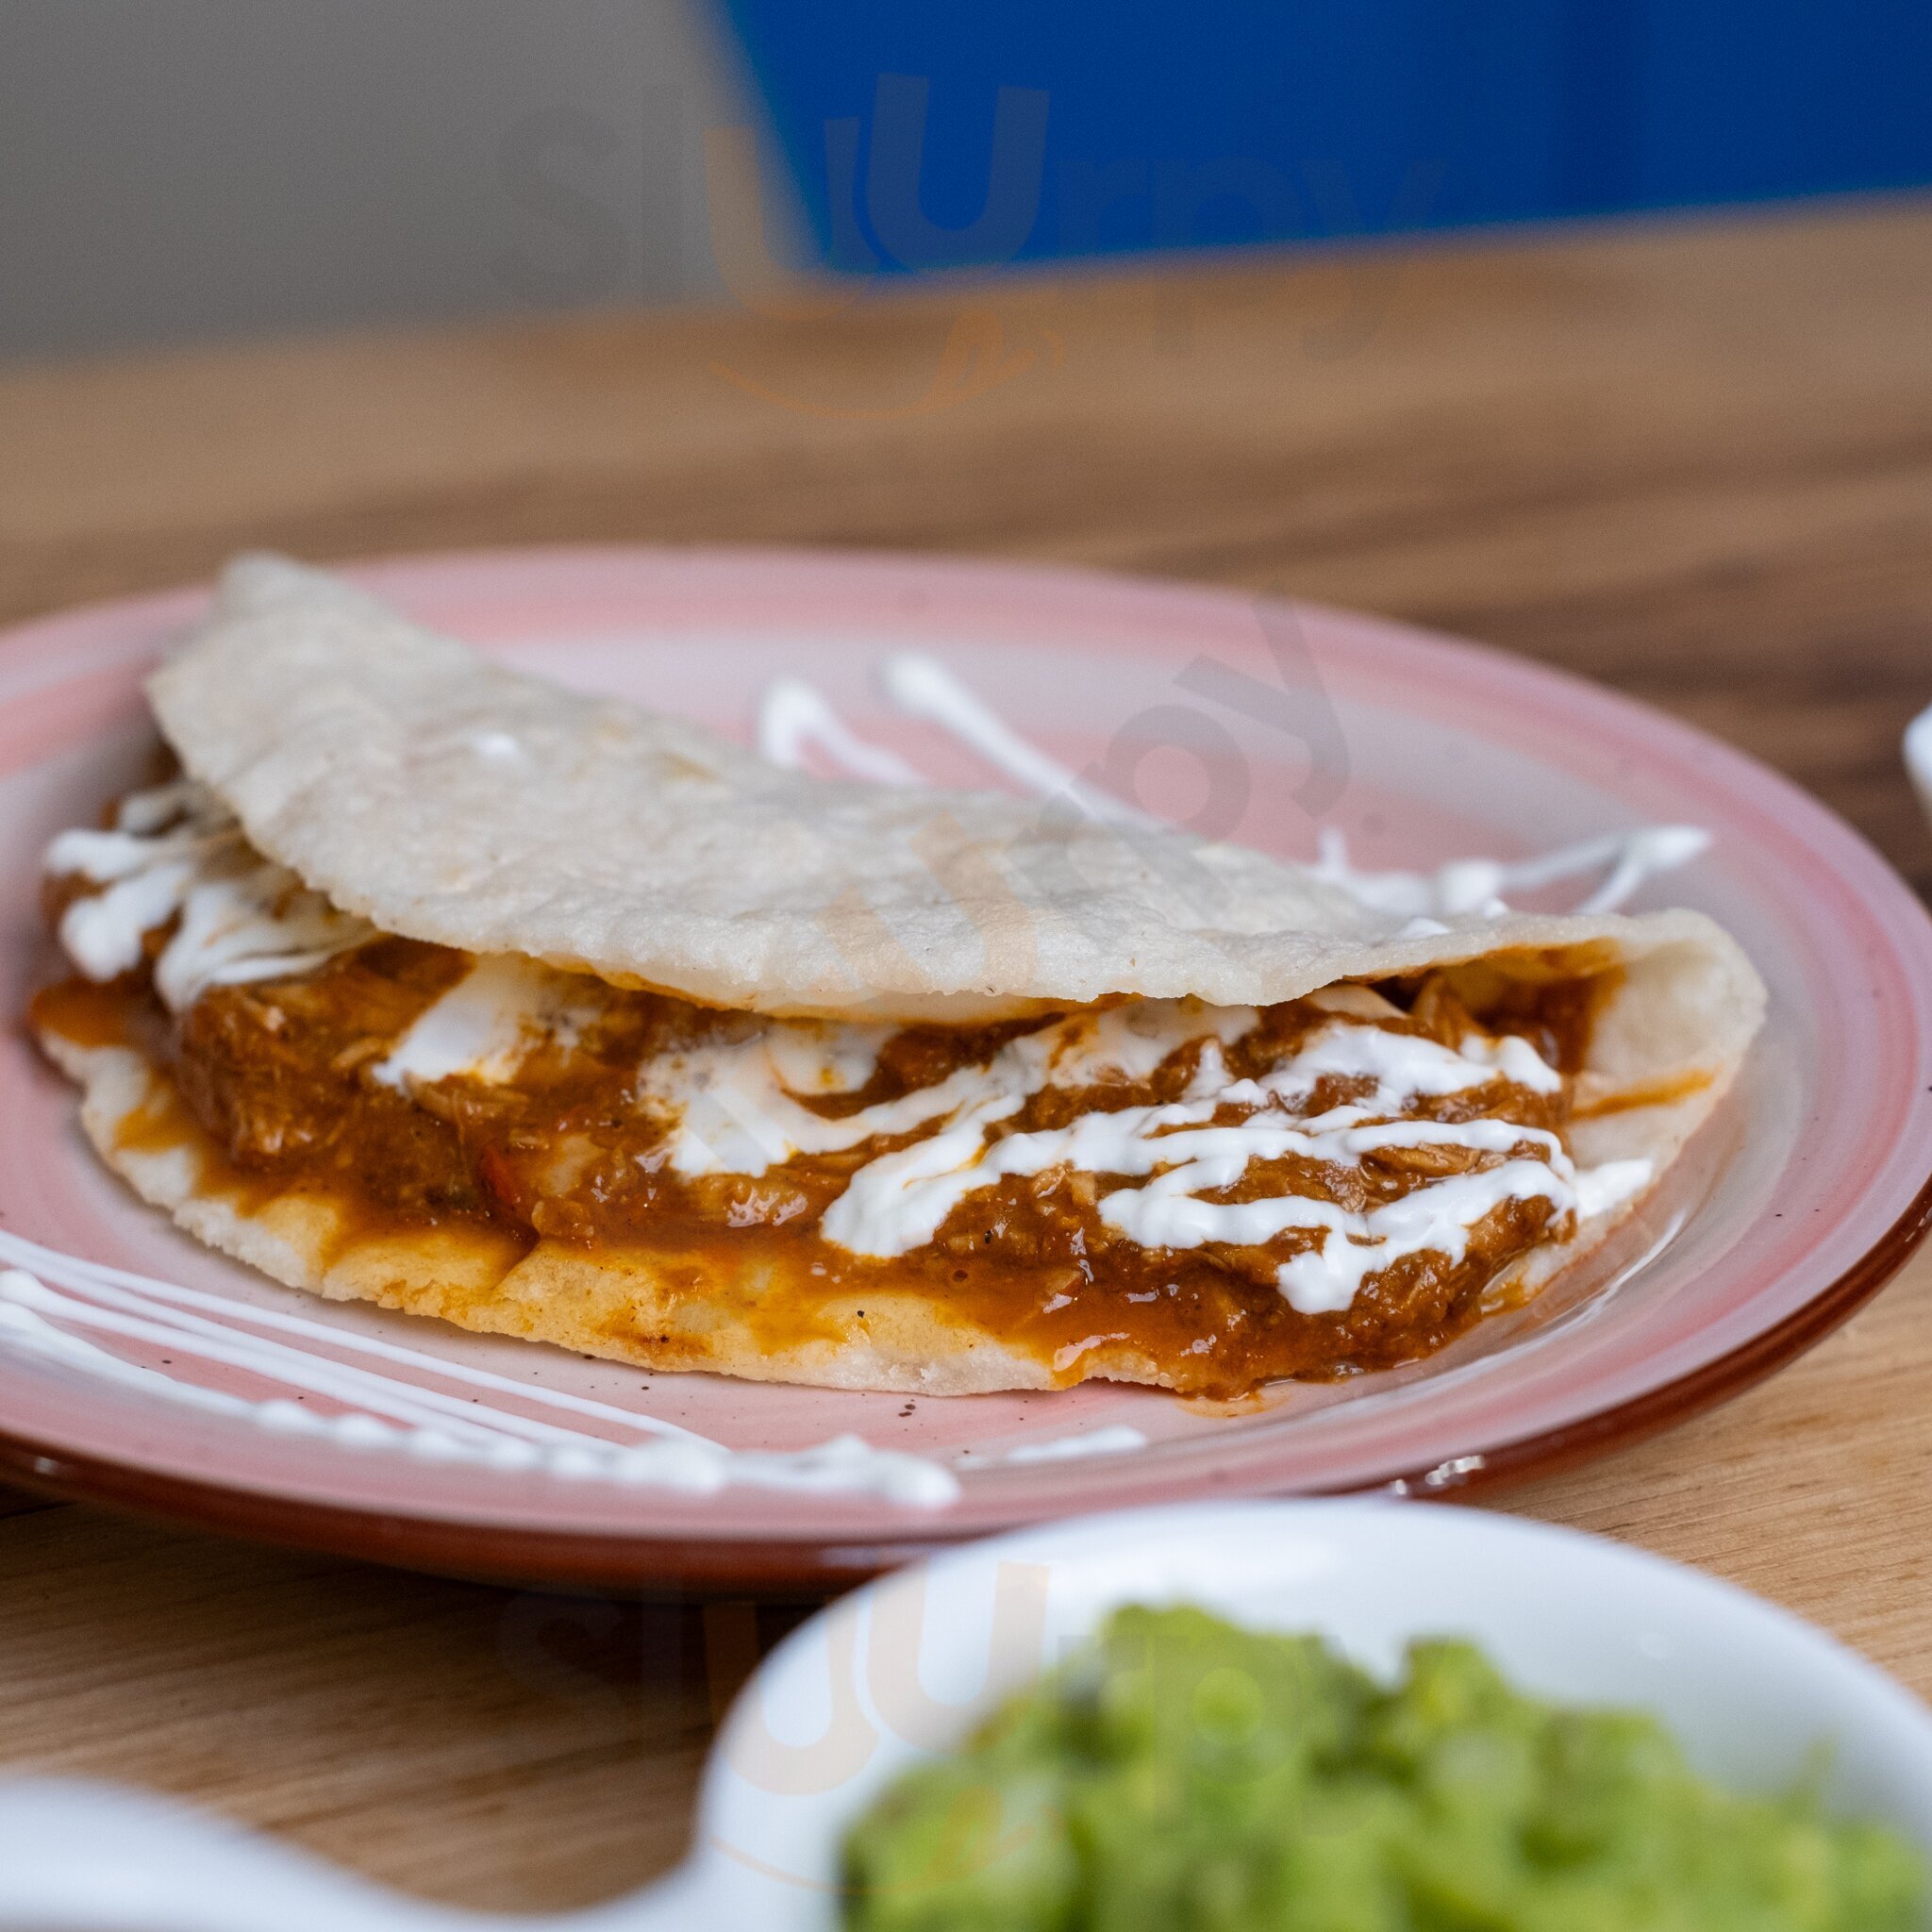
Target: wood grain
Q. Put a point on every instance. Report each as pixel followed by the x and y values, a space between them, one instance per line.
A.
pixel 1694 460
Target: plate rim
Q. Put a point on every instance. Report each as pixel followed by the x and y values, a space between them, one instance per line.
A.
pixel 811 1567
pixel 679 1560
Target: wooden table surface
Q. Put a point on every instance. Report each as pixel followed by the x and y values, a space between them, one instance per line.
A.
pixel 1694 460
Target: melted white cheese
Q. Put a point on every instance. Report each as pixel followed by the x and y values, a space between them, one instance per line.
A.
pixel 175 850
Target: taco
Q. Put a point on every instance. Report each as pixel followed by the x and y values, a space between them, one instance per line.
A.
pixel 423 981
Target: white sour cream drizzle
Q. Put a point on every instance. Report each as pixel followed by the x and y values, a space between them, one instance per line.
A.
pixel 416 1417
pixel 1117 1439
pixel 899 1201
pixel 737 1115
pixel 176 850
pixel 1627 859
pixel 793 717
pixel 737 1103
pixel 923 688
pixel 795 714
pixel 488 1022
pixel 736 1106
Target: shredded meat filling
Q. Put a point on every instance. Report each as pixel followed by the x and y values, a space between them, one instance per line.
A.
pixel 281 1076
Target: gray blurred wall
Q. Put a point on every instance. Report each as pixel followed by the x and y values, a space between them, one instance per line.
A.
pixel 176 170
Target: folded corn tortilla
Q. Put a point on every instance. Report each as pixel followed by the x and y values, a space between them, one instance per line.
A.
pixel 448 799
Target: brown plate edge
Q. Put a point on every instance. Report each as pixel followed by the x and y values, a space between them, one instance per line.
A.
pixel 759 1566
pixel 1626 1423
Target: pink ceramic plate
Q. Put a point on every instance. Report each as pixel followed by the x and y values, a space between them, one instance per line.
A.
pixel 212 1393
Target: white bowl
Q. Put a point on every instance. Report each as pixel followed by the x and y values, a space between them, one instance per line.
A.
pixel 906 1666
pixel 909 1664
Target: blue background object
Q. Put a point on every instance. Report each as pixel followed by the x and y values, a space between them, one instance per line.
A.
pixel 925 133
